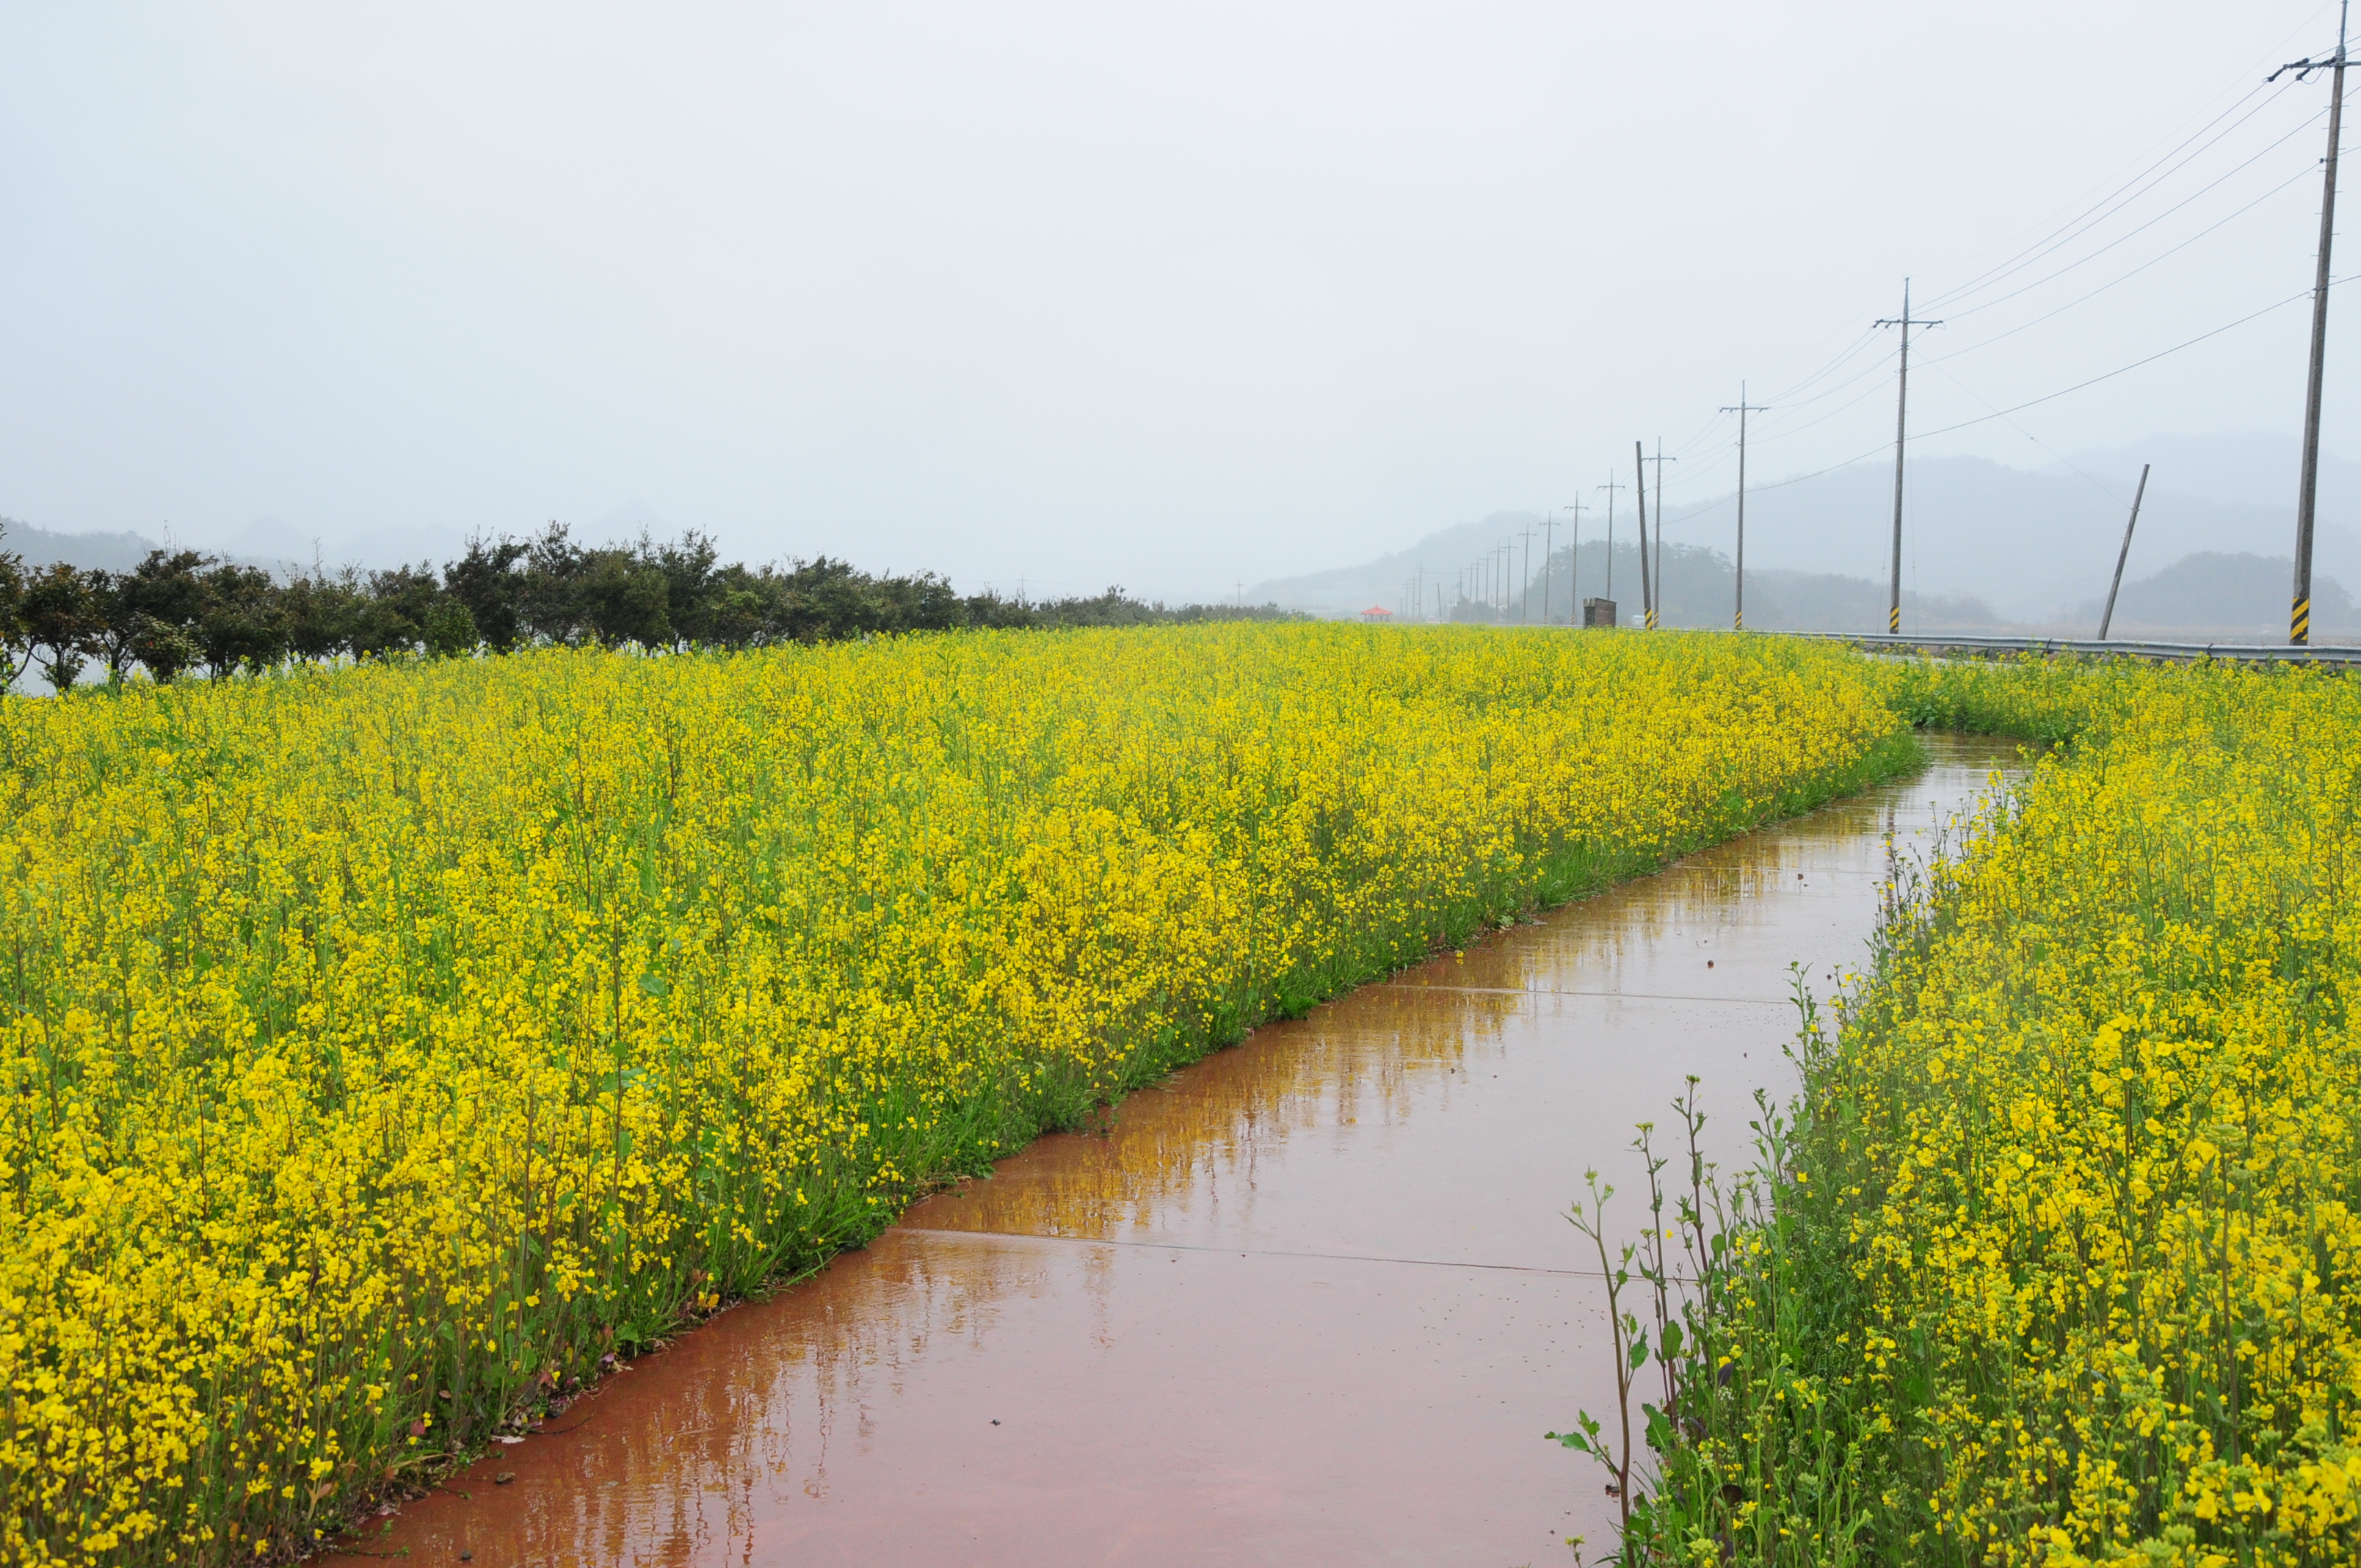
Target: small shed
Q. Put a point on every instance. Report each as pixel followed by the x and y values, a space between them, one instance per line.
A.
pixel 1377 612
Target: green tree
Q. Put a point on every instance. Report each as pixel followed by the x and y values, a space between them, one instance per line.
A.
pixel 166 592
pixel 15 644
pixel 392 617
pixel 622 598
pixel 692 587
pixel 63 623
pixel 318 613
pixel 239 624
pixel 489 581
pixel 164 650
pixel 550 604
pixel 449 629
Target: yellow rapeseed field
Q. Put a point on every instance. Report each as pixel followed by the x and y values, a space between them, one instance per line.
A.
pixel 381 1048
pixel 2059 1258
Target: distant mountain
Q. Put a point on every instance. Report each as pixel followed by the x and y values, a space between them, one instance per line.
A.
pixel 284 547
pixel 1440 557
pixel 2215 597
pixel 1986 547
pixel 2034 545
pixel 38 547
pixel 1699 588
pixel 2253 469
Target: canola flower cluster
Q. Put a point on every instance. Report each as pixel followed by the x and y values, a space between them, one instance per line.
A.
pixel 2057 1258
pixel 383 1049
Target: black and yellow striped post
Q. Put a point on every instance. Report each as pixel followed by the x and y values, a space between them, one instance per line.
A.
pixel 2308 493
pixel 1894 619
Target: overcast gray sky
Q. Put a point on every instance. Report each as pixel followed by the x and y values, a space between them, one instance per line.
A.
pixel 1167 295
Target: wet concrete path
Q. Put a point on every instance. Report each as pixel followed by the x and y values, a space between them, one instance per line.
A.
pixel 1313 1301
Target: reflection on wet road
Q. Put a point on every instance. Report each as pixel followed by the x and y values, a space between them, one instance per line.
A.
pixel 1312 1302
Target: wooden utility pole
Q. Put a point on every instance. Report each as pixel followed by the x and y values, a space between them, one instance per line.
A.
pixel 1659 460
pixel 1549 521
pixel 2114 587
pixel 1738 615
pixel 1610 487
pixel 1639 494
pixel 1573 570
pixel 2299 605
pixel 1901 434
pixel 1525 596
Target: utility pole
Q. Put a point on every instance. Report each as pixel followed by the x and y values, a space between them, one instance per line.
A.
pixel 1573 570
pixel 1901 434
pixel 1610 487
pixel 2113 588
pixel 1525 596
pixel 1659 460
pixel 1549 521
pixel 1639 494
pixel 2299 606
pixel 1738 618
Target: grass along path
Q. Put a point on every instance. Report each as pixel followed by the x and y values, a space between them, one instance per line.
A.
pixel 2055 1259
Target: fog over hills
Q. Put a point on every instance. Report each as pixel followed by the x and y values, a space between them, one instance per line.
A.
pixel 1985 544
pixel 1986 547
pixel 2032 545
pixel 283 547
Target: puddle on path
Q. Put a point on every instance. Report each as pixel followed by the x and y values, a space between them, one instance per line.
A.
pixel 1311 1302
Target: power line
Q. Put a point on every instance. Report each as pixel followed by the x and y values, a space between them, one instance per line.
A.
pixel 1783 433
pixel 2106 206
pixel 2094 484
pixel 2300 603
pixel 2126 277
pixel 2143 229
pixel 2243 74
pixel 1738 616
pixel 1901 417
pixel 2062 391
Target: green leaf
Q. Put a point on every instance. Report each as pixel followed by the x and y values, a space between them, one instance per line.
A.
pixel 1573 1440
pixel 1639 1352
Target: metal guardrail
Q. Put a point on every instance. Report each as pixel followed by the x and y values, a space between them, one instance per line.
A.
pixel 1955 642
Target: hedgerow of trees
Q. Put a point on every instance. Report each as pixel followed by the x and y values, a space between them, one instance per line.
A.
pixel 181 613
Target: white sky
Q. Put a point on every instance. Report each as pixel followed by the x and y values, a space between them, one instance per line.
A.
pixel 1167 295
